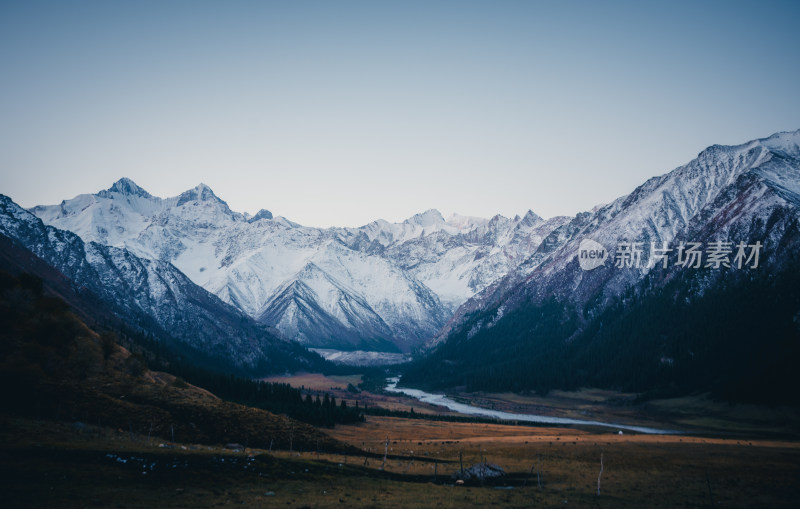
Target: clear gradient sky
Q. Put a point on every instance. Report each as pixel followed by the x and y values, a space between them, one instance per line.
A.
pixel 342 112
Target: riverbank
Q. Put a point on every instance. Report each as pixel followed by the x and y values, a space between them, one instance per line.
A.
pixel 467 409
pixel 694 414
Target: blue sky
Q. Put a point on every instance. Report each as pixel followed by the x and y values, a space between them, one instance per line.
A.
pixel 338 113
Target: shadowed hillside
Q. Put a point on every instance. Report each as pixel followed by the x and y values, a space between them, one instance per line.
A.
pixel 53 366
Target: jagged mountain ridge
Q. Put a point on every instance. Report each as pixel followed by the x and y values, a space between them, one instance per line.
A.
pixel 710 198
pixel 156 297
pixel 623 327
pixel 384 286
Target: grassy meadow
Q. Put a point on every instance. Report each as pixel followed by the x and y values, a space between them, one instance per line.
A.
pixel 47 464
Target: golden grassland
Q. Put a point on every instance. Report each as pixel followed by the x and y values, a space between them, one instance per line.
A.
pixel 317 381
pixel 60 465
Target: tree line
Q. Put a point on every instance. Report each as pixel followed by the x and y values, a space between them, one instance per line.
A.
pixel 736 337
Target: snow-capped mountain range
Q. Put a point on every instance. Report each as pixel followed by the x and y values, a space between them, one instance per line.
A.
pixel 393 287
pixel 155 298
pixel 381 287
pixel 744 193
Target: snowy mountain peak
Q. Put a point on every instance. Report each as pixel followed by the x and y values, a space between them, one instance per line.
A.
pixel 203 206
pixel 530 219
pixel 200 193
pixel 261 214
pixel 127 187
pixel 428 218
pixel 785 143
pixel 465 222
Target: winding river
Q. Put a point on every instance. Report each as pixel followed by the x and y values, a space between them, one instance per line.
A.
pixel 441 400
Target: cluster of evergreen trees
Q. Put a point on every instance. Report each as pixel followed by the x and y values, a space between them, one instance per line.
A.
pixel 276 397
pixel 738 338
pixel 280 398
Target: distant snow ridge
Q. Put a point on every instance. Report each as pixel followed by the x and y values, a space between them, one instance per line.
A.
pixel 382 287
pixel 362 358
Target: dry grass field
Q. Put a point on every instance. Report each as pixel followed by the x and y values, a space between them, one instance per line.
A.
pixel 751 460
pixel 61 465
pixel 317 381
pixel 639 470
